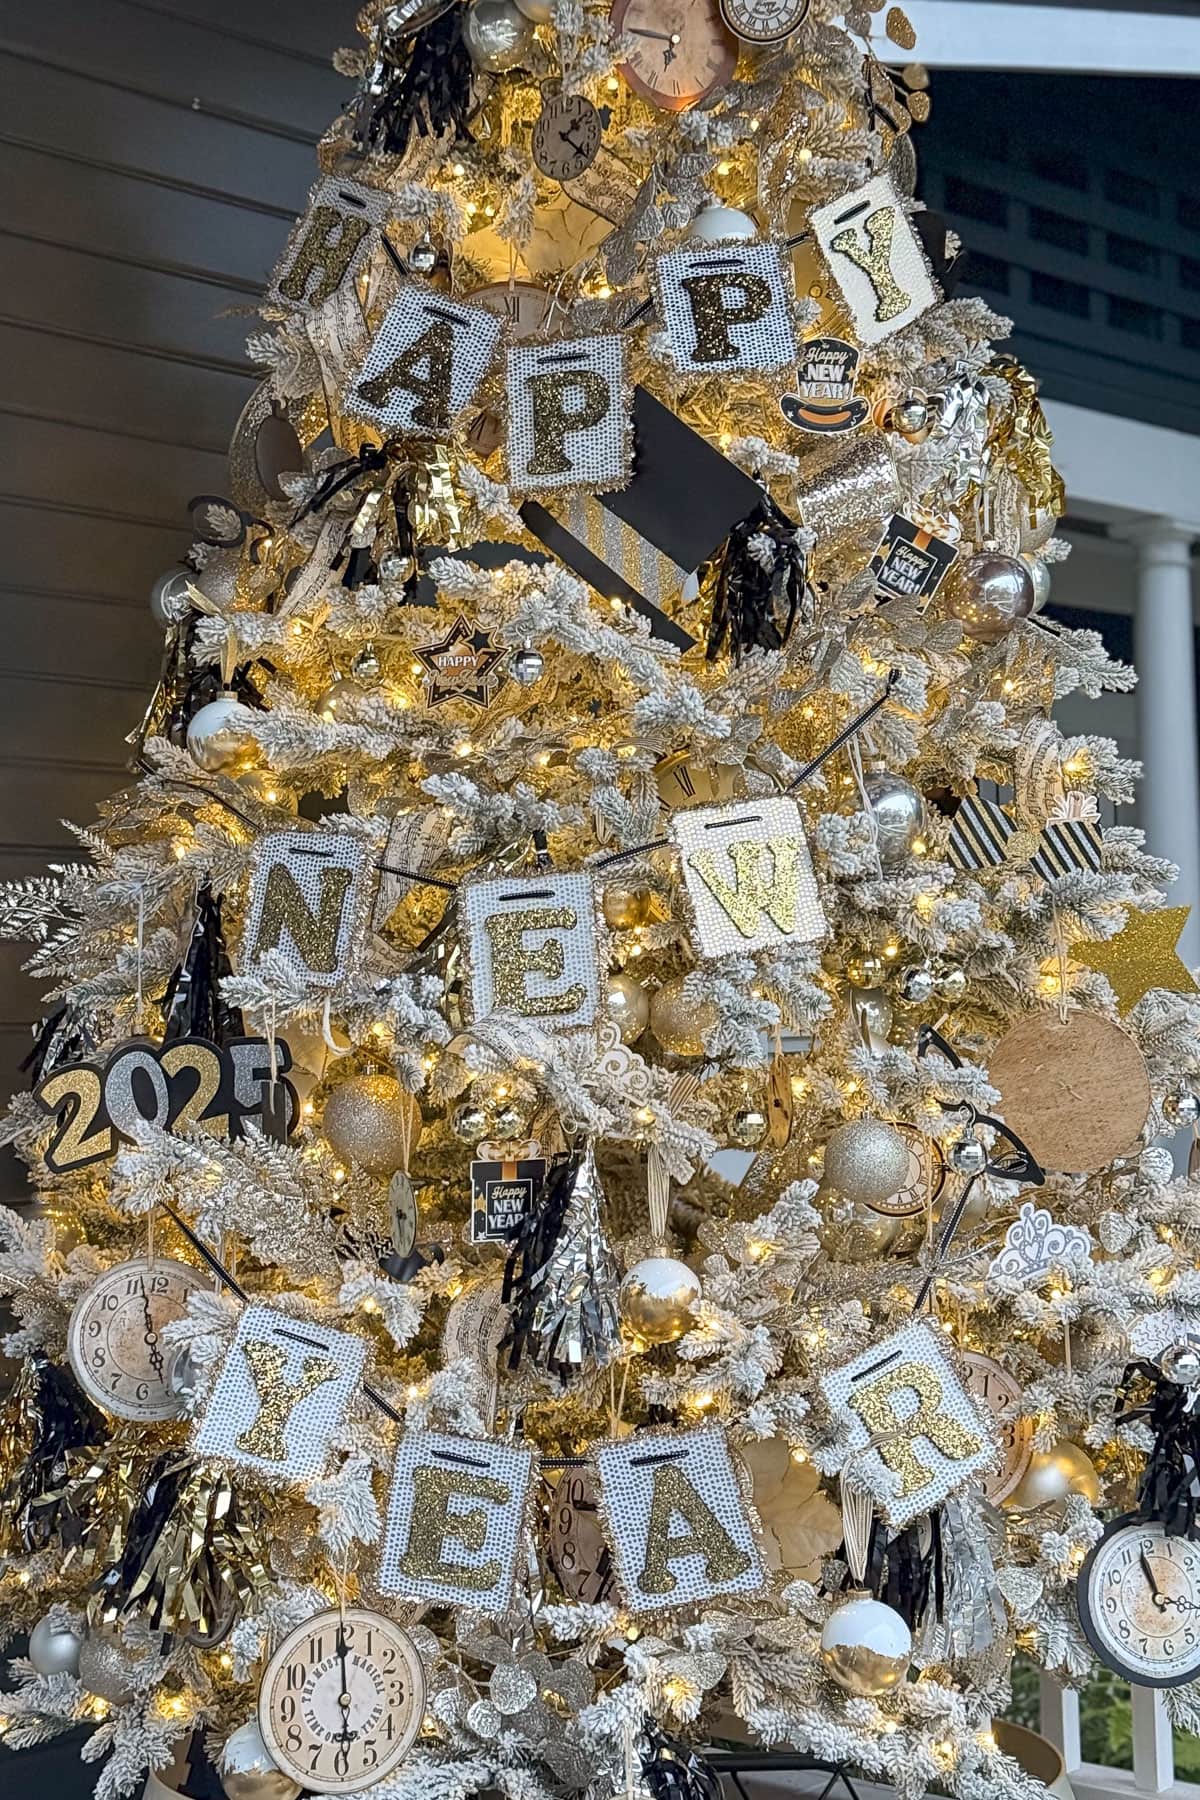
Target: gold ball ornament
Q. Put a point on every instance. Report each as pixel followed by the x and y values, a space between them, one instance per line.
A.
pixel 470 1123
pixel 747 1128
pixel 866 1160
pixel 866 1647
pixel 1052 1475
pixel 218 737
pixel 680 1024
pixel 991 595
pixel 247 1772
pixel 628 1006
pixel 656 1299
pixel 509 1122
pixel 626 908
pixel 339 698
pixel 854 1233
pixel 369 1119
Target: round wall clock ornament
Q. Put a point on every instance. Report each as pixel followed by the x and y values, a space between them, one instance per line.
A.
pixel 1139 1603
pixel 576 1547
pixel 566 138
pixel 113 1340
pixel 682 50
pixel 994 1390
pixel 523 305
pixel 342 1699
pixel 764 21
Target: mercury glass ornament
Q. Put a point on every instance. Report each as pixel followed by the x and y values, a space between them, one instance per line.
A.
pixel 866 1646
pixel 366 664
pixel 1052 1475
pixel 656 1298
pixel 628 1006
pixel 625 908
pixel 341 695
pixel 218 738
pixel 991 594
pixel 247 1772
pixel 1040 573
pixel 422 258
pixel 169 601
pixel 470 1123
pixel 54 1649
pixel 1180 1363
pixel 967 1156
pixel 497 34
pixel 714 223
pixel 916 985
pixel 899 814
pixel 526 665
pixel 680 1024
pixel 867 1160
pixel 747 1128
pixel 369 1120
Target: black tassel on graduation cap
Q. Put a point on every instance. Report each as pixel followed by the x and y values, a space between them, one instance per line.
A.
pixel 48 1418
pixel 760 589
pixel 1170 1487
pixel 192 1004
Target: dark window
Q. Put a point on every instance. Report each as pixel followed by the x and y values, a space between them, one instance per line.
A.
pixel 1059 296
pixel 1128 253
pixel 1055 228
pixel 1189 334
pixel 987 272
pixel 1189 272
pixel 1064 166
pixel 1187 211
pixel 1134 315
pixel 1124 189
pixel 976 202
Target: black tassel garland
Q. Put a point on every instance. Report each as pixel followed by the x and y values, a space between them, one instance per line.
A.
pixel 672 1770
pixel 761 586
pixel 48 1420
pixel 1170 1487
pixel 428 92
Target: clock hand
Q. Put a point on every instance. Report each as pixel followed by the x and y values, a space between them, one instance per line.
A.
pixel 666 37
pixel 345 1734
pixel 1152 1578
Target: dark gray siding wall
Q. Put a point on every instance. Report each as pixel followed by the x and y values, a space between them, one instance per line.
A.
pixel 152 156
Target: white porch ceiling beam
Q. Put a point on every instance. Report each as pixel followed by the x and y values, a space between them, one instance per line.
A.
pixel 1117 468
pixel 980 34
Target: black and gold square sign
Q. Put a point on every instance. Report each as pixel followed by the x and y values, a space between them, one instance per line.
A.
pixel 503 1194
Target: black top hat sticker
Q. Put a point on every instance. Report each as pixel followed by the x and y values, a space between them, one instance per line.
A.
pixel 825 377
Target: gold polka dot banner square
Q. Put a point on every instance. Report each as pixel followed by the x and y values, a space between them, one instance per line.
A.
pixel 308 894
pixel 456 1520
pixel 748 876
pixel 570 415
pixel 532 948
pixel 876 258
pixel 330 243
pixel 675 1517
pixel 427 359
pixel 904 1391
pixel 728 307
pixel 281 1395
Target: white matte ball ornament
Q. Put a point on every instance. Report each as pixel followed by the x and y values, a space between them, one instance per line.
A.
pixel 866 1647
pixel 713 224
pixel 54 1650
pixel 217 736
pixel 247 1772
pixel 497 35
pixel 169 601
pixel 867 1160
pixel 656 1299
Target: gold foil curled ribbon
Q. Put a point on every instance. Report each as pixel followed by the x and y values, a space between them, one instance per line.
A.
pixel 1025 438
pixel 433 509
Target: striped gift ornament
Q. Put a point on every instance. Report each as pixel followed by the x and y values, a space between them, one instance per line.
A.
pixel 984 835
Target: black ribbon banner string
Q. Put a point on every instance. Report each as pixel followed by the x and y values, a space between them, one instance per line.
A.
pixel 1015 1164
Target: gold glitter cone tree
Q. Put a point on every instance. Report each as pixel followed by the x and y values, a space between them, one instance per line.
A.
pixel 555 1063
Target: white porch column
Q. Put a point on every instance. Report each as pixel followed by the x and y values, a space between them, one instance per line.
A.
pixel 1169 796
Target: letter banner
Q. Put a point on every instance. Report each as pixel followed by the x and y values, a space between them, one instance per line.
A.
pixel 532 948
pixel 456 1520
pixel 748 875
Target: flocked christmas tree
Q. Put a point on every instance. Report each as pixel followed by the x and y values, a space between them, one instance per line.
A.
pixel 574 759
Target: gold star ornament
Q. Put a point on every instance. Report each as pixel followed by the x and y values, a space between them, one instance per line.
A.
pixel 1141 957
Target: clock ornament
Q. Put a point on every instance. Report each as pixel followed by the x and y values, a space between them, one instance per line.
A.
pixel 764 21
pixel 566 137
pixel 1139 1603
pixel 114 1336
pixel 682 50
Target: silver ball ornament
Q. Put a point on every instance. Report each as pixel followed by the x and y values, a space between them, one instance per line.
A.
pixel 628 1005
pixel 366 664
pixel 368 1119
pixel 169 601
pixel 182 1373
pixel 991 594
pixel 107 1669
pixel 950 984
pixel 526 665
pixel 898 812
pixel 866 1646
pixel 422 258
pixel 656 1297
pixel 916 985
pixel 497 34
pixel 866 1160
pixel 218 738
pixel 1182 1107
pixel 873 1012
pixel 54 1649
pixel 470 1123
pixel 1040 575
pixel 1180 1363
pixel 967 1156
pixel 247 1772
pixel 395 567
pixel 910 416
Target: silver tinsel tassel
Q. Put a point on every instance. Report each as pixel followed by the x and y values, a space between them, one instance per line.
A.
pixel 973 1614
pixel 565 1293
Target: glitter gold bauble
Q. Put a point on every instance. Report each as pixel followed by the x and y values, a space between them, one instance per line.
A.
pixel 247 1772
pixel 1141 957
pixel 656 1298
pixel 1052 1475
pixel 218 737
pixel 866 1160
pixel 628 1006
pixel 990 594
pixel 680 1024
pixel 373 1121
pixel 626 908
pixel 1075 1091
pixel 866 1647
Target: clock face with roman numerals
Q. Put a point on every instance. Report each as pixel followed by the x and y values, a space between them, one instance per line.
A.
pixel 114 1340
pixel 342 1700
pixel 681 50
pixel 763 21
pixel 994 1391
pixel 1139 1603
